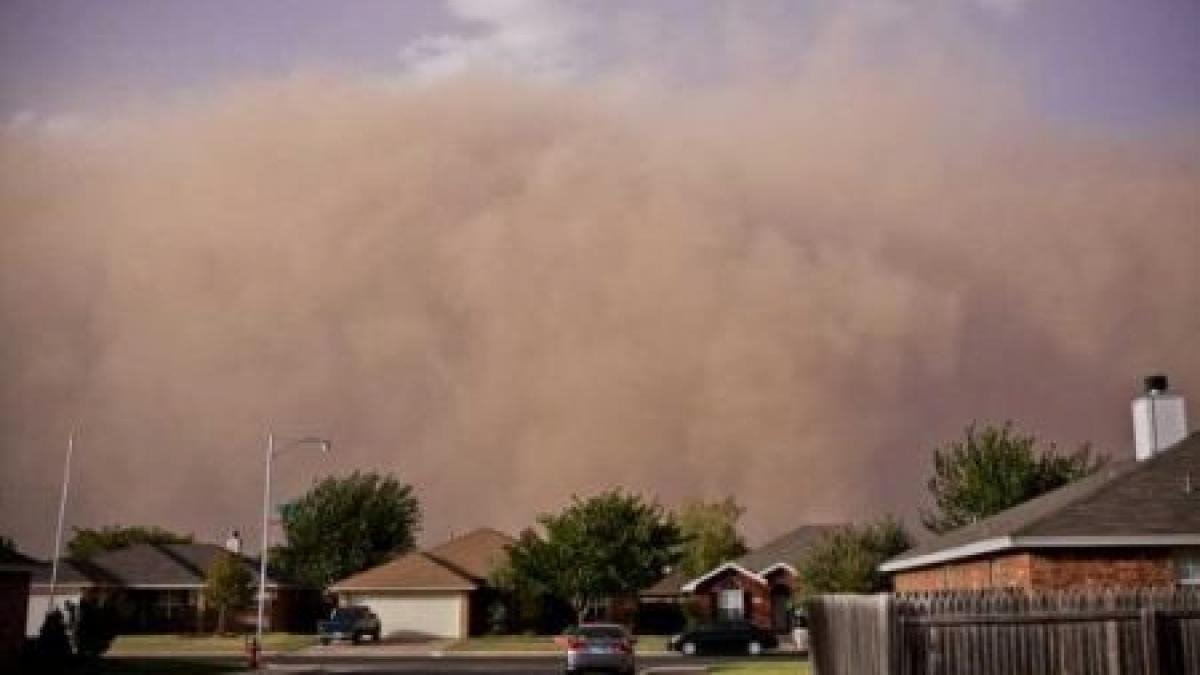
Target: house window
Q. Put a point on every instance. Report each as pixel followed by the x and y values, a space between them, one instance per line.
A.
pixel 731 604
pixel 1187 568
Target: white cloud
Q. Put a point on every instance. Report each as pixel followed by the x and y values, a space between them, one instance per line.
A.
pixel 529 37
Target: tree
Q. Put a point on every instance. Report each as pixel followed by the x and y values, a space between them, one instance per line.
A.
pixel 344 525
pixel 95 626
pixel 87 542
pixel 847 559
pixel 995 468
pixel 7 544
pixel 710 534
pixel 608 545
pixel 228 586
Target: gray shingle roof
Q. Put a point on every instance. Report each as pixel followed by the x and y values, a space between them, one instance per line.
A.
pixel 1124 499
pixel 184 565
pixel 789 548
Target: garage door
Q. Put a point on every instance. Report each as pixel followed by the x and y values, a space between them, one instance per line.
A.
pixel 439 615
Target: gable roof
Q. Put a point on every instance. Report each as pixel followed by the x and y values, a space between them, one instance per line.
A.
pixel 462 563
pixel 475 554
pixel 1126 503
pixel 669 586
pixel 411 572
pixel 144 565
pixel 786 550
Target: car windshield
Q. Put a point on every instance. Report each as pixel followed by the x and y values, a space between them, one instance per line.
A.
pixel 601 632
pixel 345 614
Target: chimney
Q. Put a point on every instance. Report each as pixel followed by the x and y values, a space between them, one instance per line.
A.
pixel 234 543
pixel 1159 418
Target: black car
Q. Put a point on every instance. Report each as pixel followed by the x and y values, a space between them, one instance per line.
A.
pixel 349 623
pixel 724 636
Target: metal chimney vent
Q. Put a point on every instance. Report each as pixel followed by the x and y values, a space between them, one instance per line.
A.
pixel 1159 418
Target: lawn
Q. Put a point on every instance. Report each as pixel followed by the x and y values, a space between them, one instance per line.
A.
pixel 131 645
pixel 763 668
pixel 538 643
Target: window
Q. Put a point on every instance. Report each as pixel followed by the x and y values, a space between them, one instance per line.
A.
pixel 731 604
pixel 1187 568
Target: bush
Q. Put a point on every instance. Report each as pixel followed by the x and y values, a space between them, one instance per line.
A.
pixel 53 647
pixel 96 627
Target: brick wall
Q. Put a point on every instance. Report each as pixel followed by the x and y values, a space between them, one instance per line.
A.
pixel 1103 569
pixel 1012 570
pixel 1055 570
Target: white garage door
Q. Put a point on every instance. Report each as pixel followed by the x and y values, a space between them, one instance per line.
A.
pixel 439 615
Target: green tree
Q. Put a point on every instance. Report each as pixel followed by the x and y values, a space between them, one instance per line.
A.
pixel 228 586
pixel 847 559
pixel 7 544
pixel 344 525
pixel 710 534
pixel 608 545
pixel 87 542
pixel 994 468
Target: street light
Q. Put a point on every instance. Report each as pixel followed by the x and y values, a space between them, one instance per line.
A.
pixel 325 445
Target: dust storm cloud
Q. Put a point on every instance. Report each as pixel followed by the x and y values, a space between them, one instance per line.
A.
pixel 785 290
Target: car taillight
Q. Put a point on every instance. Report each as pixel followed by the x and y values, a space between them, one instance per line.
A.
pixel 572 643
pixel 624 647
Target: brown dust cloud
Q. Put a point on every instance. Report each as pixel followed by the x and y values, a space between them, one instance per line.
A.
pixel 784 288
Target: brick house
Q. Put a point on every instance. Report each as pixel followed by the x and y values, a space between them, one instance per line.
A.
pixel 15 572
pixel 1135 523
pixel 757 587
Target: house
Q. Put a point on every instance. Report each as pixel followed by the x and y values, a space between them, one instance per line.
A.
pixel 757 586
pixel 15 572
pixel 440 592
pixel 157 588
pixel 1135 523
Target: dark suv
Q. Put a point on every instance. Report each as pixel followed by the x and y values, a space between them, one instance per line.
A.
pixel 724 636
pixel 349 623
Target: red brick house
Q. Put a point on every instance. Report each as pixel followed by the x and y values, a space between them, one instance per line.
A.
pixel 15 572
pixel 757 587
pixel 1135 523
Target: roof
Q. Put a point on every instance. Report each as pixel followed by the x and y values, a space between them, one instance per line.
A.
pixel 475 554
pixel 462 563
pixel 412 572
pixel 12 561
pixel 143 565
pixel 1126 504
pixel 786 550
pixel 670 585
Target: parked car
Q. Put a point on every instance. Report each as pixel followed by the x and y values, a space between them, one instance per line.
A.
pixel 800 630
pixel 604 647
pixel 724 636
pixel 349 623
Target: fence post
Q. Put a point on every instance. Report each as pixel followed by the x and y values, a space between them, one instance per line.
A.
pixel 1149 630
pixel 883 614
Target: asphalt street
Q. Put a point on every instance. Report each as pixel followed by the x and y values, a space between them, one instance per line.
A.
pixel 534 665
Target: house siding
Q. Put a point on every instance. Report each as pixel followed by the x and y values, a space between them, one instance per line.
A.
pixel 757 596
pixel 1047 571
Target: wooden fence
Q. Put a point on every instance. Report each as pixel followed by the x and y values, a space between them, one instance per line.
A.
pixel 1150 632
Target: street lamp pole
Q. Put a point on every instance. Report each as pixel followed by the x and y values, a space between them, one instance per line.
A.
pixel 325 446
pixel 62 511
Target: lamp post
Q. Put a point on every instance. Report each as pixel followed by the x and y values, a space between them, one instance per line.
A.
pixel 62 511
pixel 272 450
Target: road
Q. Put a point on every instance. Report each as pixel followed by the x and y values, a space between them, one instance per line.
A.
pixel 533 665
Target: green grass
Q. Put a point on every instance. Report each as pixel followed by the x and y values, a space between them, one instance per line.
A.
pixel 166 644
pixel 761 668
pixel 537 643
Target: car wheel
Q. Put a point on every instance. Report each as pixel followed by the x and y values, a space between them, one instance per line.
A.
pixel 754 648
pixel 355 638
pixel 689 648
